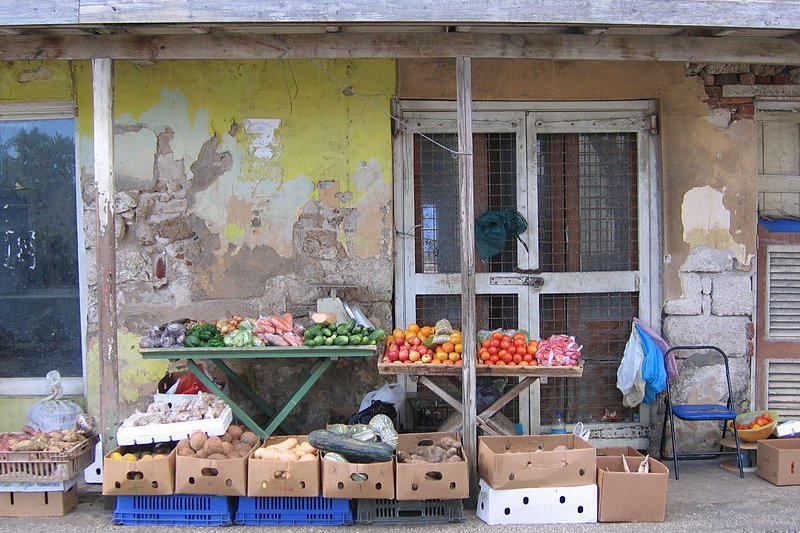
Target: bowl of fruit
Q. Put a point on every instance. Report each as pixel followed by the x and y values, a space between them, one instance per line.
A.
pixel 754 425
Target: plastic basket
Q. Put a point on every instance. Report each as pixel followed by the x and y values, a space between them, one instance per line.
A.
pixel 47 466
pixel 293 511
pixel 393 512
pixel 174 510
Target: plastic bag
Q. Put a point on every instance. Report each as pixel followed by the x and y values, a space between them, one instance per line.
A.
pixel 392 393
pixel 629 373
pixel 52 413
pixel 377 407
pixel 653 371
pixel 485 396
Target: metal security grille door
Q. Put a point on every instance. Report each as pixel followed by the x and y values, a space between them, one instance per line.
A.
pixel 582 181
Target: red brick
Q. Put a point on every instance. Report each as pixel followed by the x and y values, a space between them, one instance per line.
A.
pixel 744 111
pixel 780 79
pixel 751 330
pixel 750 349
pixel 736 100
pixel 764 80
pixel 726 79
pixel 708 79
pixel 747 78
pixel 714 92
pixel 161 268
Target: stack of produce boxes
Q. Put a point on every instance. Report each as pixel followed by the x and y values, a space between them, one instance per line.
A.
pixel 178 473
pixel 284 487
pixel 537 479
pixel 40 477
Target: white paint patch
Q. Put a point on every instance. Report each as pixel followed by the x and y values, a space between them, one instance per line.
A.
pixel 706 221
pixel 262 132
pixel 133 160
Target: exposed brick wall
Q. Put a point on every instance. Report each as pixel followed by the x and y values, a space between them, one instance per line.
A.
pixel 716 75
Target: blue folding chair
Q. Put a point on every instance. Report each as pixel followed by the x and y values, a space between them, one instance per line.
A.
pixel 698 412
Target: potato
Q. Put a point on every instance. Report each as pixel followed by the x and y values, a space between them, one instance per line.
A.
pixel 201 454
pixel 249 437
pixel 185 452
pixel 235 454
pixel 227 448
pixel 183 443
pixel 218 456
pixel 197 440
pixel 235 432
pixel 213 445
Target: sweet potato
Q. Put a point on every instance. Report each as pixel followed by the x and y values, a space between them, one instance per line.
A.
pixel 227 448
pixel 235 432
pixel 249 437
pixel 218 456
pixel 287 444
pixel 185 452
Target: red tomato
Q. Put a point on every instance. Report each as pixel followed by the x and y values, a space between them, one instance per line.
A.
pixel 518 358
pixel 497 335
pixel 520 342
pixel 527 357
pixel 532 348
pixel 493 350
pixel 508 358
pixel 512 350
pixel 505 344
pixel 493 359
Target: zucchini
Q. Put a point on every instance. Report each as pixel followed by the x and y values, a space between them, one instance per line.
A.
pixel 351 449
pixel 342 329
pixel 377 335
pixel 351 324
pixel 319 340
pixel 326 332
pixel 309 343
pixel 365 340
pixel 357 330
pixel 312 332
pixel 329 341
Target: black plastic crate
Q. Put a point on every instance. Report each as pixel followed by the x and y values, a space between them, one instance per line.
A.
pixel 393 512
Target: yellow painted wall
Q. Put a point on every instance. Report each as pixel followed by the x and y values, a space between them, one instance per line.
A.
pixel 694 152
pixel 333 128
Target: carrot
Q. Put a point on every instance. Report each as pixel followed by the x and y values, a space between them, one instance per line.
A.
pixel 289 319
pixel 279 324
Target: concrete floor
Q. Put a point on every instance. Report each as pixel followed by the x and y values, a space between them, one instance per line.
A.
pixel 706 498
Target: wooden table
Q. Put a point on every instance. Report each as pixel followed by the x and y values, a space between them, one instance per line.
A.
pixel 325 356
pixel 529 375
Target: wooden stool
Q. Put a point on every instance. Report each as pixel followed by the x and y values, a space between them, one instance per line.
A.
pixel 748 455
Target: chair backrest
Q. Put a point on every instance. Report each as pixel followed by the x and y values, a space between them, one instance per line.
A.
pixel 730 403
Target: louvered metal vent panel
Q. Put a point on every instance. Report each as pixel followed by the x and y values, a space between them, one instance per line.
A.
pixel 783 387
pixel 783 292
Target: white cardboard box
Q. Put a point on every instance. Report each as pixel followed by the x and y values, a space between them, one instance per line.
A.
pixel 94 472
pixel 129 436
pixel 786 429
pixel 545 505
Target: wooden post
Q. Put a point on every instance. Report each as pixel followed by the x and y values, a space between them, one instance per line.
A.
pixel 467 209
pixel 103 99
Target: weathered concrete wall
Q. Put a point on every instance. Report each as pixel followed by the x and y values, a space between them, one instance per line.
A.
pixel 241 187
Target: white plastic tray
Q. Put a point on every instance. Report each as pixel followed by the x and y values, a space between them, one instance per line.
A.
pixel 546 505
pixel 127 436
pixel 36 486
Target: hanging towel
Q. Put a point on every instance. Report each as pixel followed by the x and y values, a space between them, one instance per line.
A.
pixel 493 228
pixel 672 366
pixel 653 371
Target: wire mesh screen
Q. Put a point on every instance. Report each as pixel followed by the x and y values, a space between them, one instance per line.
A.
pixel 437 208
pixel 602 324
pixel 491 311
pixel 587 202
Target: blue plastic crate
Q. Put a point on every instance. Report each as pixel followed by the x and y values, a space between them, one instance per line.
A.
pixel 293 511
pixel 174 510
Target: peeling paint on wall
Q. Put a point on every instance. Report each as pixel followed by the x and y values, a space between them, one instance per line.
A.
pixel 707 222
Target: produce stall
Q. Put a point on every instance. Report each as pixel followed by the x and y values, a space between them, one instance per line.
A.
pixel 430 352
pixel 325 356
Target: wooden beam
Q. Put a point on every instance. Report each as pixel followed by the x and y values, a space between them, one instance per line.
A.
pixel 361 45
pixel 717 13
pixel 102 90
pixel 466 188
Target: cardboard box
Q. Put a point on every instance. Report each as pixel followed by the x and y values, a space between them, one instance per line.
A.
pixel 531 461
pixel 342 480
pixel 779 461
pixel 217 477
pixel 547 505
pixel 281 478
pixel 38 486
pixel 618 451
pixel 630 496
pixel 152 477
pixel 55 503
pixel 788 429
pixel 430 481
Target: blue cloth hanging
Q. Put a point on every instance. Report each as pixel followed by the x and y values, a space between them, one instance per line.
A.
pixel 653 371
